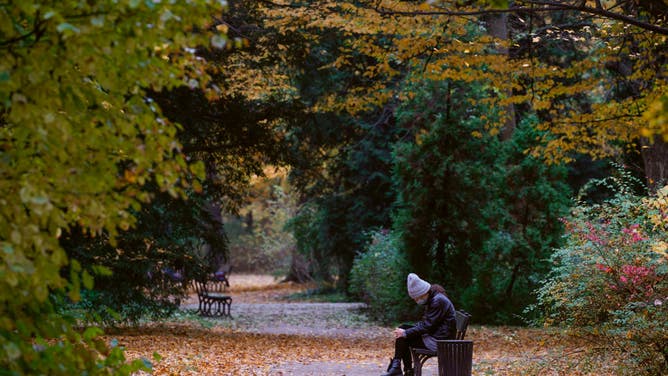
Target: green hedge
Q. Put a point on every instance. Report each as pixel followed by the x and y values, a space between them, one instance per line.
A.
pixel 378 278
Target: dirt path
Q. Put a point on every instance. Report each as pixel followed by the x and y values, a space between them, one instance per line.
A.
pixel 272 336
pixel 267 312
pixel 317 320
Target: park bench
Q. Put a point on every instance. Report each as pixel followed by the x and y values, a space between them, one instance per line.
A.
pixel 211 303
pixel 220 279
pixel 456 348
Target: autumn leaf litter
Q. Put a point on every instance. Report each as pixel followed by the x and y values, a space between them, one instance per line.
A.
pixel 269 335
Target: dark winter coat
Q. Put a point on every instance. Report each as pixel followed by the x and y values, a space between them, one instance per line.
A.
pixel 438 320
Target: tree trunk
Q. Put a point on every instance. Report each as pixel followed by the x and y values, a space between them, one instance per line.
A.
pixel 655 159
pixel 300 268
pixel 497 26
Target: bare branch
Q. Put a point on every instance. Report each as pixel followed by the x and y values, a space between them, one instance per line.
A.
pixel 603 120
pixel 546 6
pixel 605 14
pixel 289 5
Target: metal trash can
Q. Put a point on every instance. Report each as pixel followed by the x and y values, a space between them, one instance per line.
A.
pixel 455 358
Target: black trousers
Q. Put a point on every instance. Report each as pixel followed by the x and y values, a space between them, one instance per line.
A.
pixel 402 347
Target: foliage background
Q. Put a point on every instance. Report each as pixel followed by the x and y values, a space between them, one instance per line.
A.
pixel 448 130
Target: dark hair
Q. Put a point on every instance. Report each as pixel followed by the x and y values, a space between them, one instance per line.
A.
pixel 437 289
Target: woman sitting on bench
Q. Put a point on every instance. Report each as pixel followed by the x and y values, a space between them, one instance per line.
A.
pixel 438 323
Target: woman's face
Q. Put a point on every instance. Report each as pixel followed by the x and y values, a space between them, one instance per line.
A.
pixel 422 299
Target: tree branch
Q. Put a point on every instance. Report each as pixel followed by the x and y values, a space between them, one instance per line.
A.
pixel 546 6
pixel 612 118
pixel 269 2
pixel 85 15
pixel 605 14
pixel 36 30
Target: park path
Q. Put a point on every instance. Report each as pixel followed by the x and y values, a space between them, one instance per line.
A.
pixel 270 335
pixel 268 312
pixel 330 320
pixel 276 336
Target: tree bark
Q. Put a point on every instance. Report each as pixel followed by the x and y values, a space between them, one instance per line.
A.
pixel 655 159
pixel 300 269
pixel 497 26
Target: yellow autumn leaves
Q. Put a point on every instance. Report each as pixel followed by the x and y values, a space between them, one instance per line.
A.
pixel 657 207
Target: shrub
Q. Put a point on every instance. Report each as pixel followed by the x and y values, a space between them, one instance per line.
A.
pixel 107 309
pixel 378 278
pixel 611 277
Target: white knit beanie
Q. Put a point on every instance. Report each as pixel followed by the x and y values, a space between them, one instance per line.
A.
pixel 416 286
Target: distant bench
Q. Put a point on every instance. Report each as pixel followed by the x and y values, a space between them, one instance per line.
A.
pixel 219 281
pixel 212 304
pixel 211 293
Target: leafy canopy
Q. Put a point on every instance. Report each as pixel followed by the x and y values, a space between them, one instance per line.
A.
pixel 385 39
pixel 78 140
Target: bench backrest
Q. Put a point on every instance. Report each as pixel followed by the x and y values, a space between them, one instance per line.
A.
pixel 463 319
pixel 200 287
pixel 220 280
pixel 225 269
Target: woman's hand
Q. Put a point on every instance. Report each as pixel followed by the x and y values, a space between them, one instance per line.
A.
pixel 398 333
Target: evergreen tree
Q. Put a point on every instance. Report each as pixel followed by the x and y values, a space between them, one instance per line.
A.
pixel 476 213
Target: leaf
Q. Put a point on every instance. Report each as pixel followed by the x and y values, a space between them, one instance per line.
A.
pixel 87 280
pixel 92 332
pixel 219 41
pixel 97 21
pixel 102 270
pixel 66 28
pixel 8 249
pixel 12 351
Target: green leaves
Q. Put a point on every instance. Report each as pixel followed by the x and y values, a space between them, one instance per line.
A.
pixel 73 81
pixel 499 4
pixel 378 278
pixel 611 276
pixel 475 213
